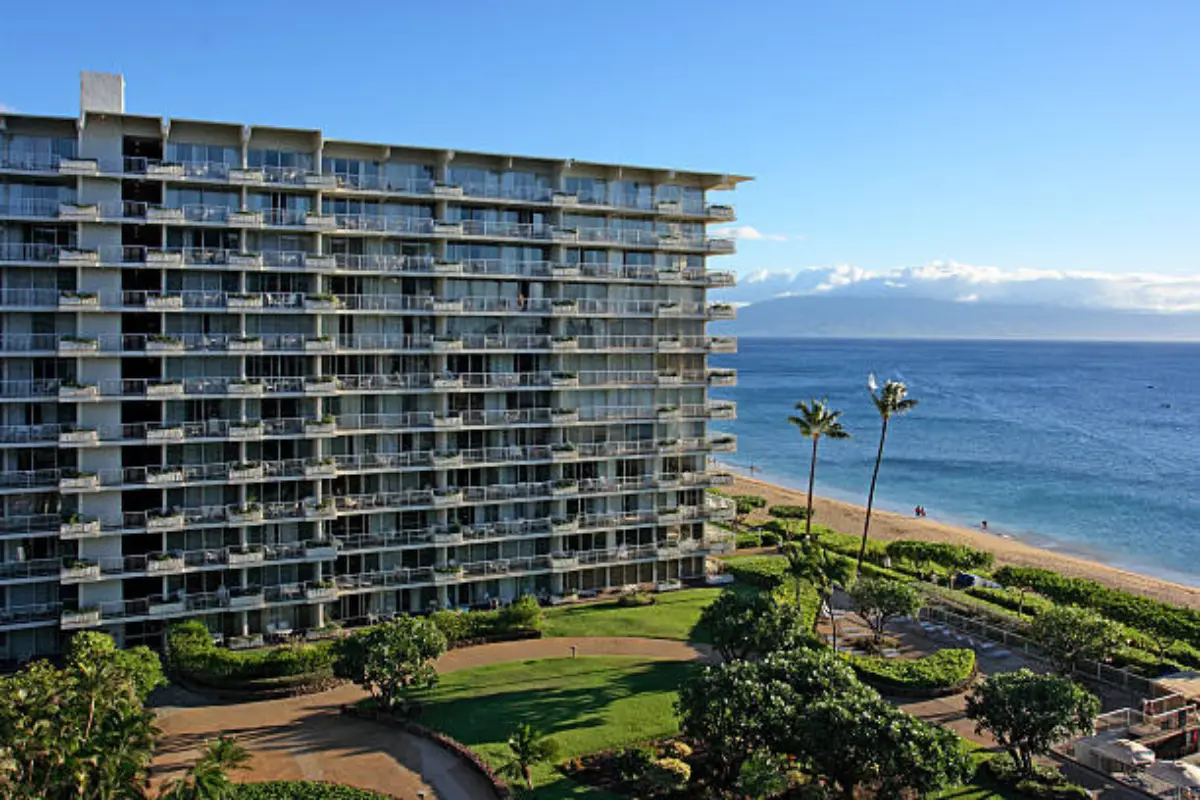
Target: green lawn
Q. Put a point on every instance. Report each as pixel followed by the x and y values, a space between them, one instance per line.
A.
pixel 674 616
pixel 587 704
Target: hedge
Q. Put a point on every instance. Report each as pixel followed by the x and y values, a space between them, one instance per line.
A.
pixel 748 540
pixel 302 790
pixel 1151 616
pixel 522 616
pixel 191 652
pixel 941 670
pixel 764 572
pixel 1047 784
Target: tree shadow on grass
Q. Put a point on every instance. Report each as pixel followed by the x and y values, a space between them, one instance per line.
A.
pixel 490 717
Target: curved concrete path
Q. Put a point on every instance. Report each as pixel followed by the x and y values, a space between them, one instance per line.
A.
pixel 306 738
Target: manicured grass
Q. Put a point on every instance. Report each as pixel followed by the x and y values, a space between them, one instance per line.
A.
pixel 586 704
pixel 674 616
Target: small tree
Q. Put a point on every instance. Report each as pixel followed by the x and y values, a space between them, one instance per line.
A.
pixel 788 516
pixel 527 747
pixel 742 625
pixel 1069 633
pixel 825 571
pixel 208 777
pixel 1027 713
pixel 880 600
pixel 393 658
pixel 857 739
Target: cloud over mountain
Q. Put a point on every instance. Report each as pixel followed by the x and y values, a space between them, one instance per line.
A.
pixel 965 283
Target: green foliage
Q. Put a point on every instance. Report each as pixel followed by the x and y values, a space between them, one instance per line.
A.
pixel 669 774
pixel 524 614
pixel 1163 622
pixel 392 659
pixel 635 600
pixel 763 775
pixel 879 601
pixel 527 747
pixel 788 512
pixel 809 704
pixel 857 738
pixel 943 669
pixel 79 731
pixel 191 653
pixel 763 572
pixel 809 564
pixel 674 615
pixel 741 625
pixel 1045 783
pixel 1069 633
pixel 748 539
pixel 956 557
pixel 301 790
pixel 208 778
pixel 770 538
pixel 1027 713
pixel 746 503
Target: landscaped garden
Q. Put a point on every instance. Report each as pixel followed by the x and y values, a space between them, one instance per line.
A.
pixel 673 615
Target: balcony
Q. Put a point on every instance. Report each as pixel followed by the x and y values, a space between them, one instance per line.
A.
pixel 76 527
pixel 78 166
pixel 164 521
pixel 722 377
pixel 247 176
pixel 320 551
pixel 164 564
pixel 247 599
pixel 322 593
pixel 721 311
pixel 82 618
pixel 79 437
pixel 720 213
pixel 80 572
pixel 447 574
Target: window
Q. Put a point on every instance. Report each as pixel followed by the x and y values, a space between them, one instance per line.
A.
pixel 592 191
pixel 187 153
pixel 40 151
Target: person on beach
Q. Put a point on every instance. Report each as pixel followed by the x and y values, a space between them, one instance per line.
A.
pixel 983 524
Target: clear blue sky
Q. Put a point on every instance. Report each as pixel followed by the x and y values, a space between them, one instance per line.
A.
pixel 1015 134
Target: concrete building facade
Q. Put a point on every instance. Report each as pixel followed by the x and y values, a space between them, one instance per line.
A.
pixel 277 382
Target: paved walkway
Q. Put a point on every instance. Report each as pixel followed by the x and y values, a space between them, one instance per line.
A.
pixel 305 738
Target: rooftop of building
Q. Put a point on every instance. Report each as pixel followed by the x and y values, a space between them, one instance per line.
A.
pixel 102 97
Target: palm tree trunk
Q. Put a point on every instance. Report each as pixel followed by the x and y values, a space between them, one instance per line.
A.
pixel 812 474
pixel 862 550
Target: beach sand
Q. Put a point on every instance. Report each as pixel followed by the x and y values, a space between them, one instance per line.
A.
pixel 886 526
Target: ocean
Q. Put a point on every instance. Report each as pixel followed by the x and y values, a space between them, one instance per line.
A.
pixel 1086 448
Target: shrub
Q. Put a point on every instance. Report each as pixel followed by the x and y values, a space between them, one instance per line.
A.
pixel 770 538
pixel 957 557
pixel 669 774
pixel 765 572
pixel 748 539
pixel 944 669
pixel 1048 783
pixel 191 652
pixel 524 614
pixel 634 762
pixel 301 790
pixel 788 512
pixel 677 749
pixel 635 600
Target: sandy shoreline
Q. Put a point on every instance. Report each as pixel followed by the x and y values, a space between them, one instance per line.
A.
pixel 848 518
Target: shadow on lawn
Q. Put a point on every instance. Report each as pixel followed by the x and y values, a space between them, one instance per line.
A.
pixel 490 717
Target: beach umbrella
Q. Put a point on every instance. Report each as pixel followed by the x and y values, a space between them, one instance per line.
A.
pixel 1177 773
pixel 1127 751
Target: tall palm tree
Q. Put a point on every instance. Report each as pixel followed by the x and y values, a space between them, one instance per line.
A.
pixel 810 563
pixel 527 747
pixel 892 401
pixel 816 419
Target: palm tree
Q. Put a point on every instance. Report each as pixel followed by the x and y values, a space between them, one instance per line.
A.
pixel 825 571
pixel 892 401
pixel 816 419
pixel 208 778
pixel 528 747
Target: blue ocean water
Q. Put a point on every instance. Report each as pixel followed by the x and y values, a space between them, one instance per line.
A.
pixel 1089 448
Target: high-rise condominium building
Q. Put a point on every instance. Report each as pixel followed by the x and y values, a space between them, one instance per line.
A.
pixel 275 381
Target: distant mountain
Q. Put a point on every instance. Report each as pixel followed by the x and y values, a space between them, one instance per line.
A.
pixel 919 318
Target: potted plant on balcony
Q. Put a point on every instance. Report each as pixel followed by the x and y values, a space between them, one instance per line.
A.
pixel 78 344
pixel 320 510
pixel 447 496
pixel 564 416
pixel 75 524
pixel 667 412
pixel 564 486
pixel 77 480
pixel 163 343
pixel 247 471
pixel 563 451
pixel 251 511
pixel 246 429
pixel 164 388
pixel 73 298
pixel 668 444
pixel 244 343
pixel 447 342
pixel 451 419
pixel 77 256
pixel 82 617
pixel 669 342
pixel 157 563
pixel 164 433
pixel 168 474
pixel 325 425
pixel 243 300
pixel 321 384
pixel 564 524
pixel 320 467
pixel 564 342
pixel 164 519
pixel 321 591
pixel 563 305
pixel 321 301
pixel 80 569
pixel 78 435
pixel 319 344
pixel 447 572
pixel 75 390
pixel 445 189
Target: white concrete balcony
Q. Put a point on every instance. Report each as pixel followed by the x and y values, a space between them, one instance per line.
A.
pixel 77 527
pixel 244 344
pixel 78 344
pixel 447 574
pixel 82 618
pixel 78 391
pixel 321 593
pixel 247 176
pixel 721 311
pixel 447 190
pixel 720 213
pixel 79 437
pixel 247 557
pixel 245 387
pixel 69 300
pixel 165 521
pixel 326 509
pixel 447 497
pixel 82 482
pixel 722 344
pixel 252 599
pixel 163 258
pixel 320 551
pixel 165 214
pixel 163 302
pixel 320 344
pixel 164 389
pixel 244 219
pixel 247 472
pixel 320 468
pixel 164 564
pixel 78 166
pixel 722 377
pixel 722 411
pixel 80 572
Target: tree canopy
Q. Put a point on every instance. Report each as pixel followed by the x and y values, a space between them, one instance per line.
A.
pixel 880 600
pixel 1069 633
pixel 392 658
pixel 1027 713
pixel 741 625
